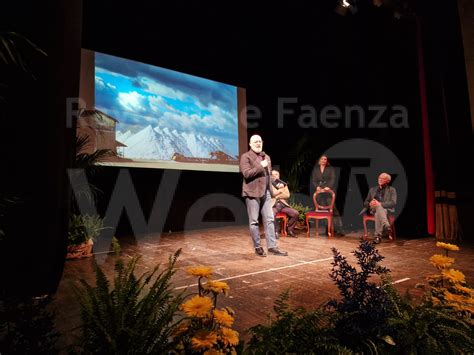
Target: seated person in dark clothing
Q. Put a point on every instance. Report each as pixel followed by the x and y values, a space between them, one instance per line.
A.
pixel 380 201
pixel 324 176
pixel 280 204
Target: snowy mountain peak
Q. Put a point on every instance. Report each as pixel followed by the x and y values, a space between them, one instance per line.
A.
pixel 159 143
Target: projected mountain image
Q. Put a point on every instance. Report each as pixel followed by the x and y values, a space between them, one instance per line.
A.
pixel 159 115
pixel 163 144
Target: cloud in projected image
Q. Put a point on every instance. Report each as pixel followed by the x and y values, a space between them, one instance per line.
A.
pixel 165 106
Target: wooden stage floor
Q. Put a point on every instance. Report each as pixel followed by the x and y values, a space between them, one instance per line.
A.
pixel 255 282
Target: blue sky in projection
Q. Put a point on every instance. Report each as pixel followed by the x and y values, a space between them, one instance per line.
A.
pixel 139 95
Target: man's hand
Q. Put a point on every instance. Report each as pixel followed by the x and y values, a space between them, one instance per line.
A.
pixel 264 163
pixel 326 189
pixel 374 203
pixel 318 189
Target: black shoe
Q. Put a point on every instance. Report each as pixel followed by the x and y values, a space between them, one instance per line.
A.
pixel 260 252
pixel 292 235
pixel 387 232
pixel 377 240
pixel 276 251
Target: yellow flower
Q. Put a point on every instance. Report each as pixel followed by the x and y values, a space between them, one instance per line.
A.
pixel 447 246
pixel 216 286
pixel 464 289
pixel 203 339
pixel 229 336
pixel 197 306
pixel 454 275
pixel 435 300
pixel 459 302
pixel 201 271
pixel 441 261
pixel 181 328
pixel 223 317
pixel 452 297
pixel 213 352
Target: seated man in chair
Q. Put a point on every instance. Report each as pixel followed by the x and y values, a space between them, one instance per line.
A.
pixel 380 201
pixel 279 203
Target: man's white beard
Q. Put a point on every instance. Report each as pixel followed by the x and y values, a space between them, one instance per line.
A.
pixel 257 150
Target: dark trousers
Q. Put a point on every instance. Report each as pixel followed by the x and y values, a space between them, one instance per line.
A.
pixel 290 212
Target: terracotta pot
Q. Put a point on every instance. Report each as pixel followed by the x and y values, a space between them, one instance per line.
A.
pixel 83 250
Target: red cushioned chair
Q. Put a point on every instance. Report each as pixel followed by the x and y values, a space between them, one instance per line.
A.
pixel 369 217
pixel 283 218
pixel 322 212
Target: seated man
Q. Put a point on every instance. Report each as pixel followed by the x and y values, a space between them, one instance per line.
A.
pixel 279 203
pixel 380 201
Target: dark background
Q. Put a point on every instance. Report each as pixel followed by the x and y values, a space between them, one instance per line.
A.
pixel 301 49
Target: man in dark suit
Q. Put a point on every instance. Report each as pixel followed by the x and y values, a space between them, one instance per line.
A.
pixel 380 201
pixel 280 204
pixel 255 167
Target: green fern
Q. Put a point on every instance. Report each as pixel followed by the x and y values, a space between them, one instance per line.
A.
pixel 136 316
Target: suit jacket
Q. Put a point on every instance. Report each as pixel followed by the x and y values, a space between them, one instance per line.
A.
pixel 256 178
pixel 324 179
pixel 389 200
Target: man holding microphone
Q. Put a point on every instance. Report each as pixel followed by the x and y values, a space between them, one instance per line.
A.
pixel 255 167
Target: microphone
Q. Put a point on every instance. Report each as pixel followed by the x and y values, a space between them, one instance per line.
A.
pixel 263 155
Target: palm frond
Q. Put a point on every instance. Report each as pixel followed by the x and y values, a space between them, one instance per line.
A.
pixel 14 48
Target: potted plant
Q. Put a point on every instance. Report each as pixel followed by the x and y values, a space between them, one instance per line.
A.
pixel 83 230
pixel 302 209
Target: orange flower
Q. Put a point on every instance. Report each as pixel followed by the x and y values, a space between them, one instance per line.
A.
pixel 229 336
pixel 222 317
pixel 454 275
pixel 435 300
pixel 441 261
pixel 452 297
pixel 197 306
pixel 181 328
pixel 216 286
pixel 464 289
pixel 200 271
pixel 447 246
pixel 203 340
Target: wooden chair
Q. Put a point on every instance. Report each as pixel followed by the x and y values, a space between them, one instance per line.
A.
pixel 369 217
pixel 322 212
pixel 283 218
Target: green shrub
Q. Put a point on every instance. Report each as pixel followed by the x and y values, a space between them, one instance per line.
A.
pixel 368 318
pixel 295 331
pixel 361 314
pixel 302 209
